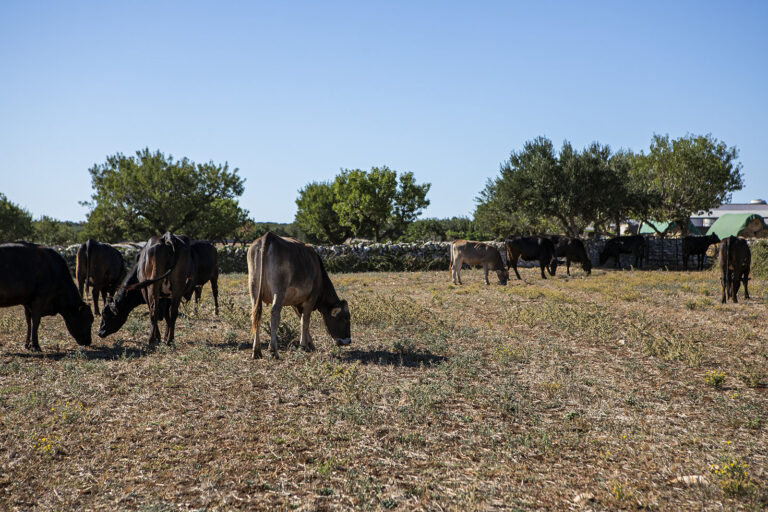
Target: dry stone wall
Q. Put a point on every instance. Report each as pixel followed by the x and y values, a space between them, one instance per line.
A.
pixel 399 257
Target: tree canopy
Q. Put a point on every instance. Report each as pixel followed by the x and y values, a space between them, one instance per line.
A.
pixel 682 176
pixel 376 204
pixel 149 193
pixel 541 191
pixel 15 221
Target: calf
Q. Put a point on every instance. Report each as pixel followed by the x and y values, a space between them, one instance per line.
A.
pixel 615 247
pixel 476 253
pixel 697 246
pixel 734 258
pixel 531 248
pixel 286 272
pixel 99 266
pixel 572 249
pixel 38 279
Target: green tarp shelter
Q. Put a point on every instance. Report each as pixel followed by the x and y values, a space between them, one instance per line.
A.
pixel 665 227
pixel 748 225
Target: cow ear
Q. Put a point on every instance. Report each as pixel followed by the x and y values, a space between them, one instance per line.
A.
pixel 335 312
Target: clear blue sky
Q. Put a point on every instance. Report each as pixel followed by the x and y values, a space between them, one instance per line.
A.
pixel 291 92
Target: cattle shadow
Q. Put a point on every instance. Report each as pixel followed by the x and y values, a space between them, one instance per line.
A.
pixel 406 359
pixel 234 346
pixel 112 353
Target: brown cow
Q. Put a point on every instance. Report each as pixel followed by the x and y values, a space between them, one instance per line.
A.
pixel 476 253
pixel 734 258
pixel 165 275
pixel 287 272
pixel 99 266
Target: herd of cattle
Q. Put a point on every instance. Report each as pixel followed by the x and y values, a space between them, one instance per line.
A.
pixel 734 257
pixel 281 272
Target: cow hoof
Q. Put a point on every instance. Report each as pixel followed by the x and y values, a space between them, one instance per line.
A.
pixel 257 355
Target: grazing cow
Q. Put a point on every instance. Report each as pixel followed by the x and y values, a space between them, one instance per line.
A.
pixel 206 266
pixel 117 309
pixel 38 279
pixel 476 253
pixel 734 258
pixel 165 274
pixel 100 266
pixel 531 248
pixel 287 272
pixel 698 246
pixel 614 247
pixel 572 249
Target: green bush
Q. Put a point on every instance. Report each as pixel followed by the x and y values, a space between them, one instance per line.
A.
pixel 760 259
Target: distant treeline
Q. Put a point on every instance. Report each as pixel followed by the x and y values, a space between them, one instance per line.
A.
pixel 538 190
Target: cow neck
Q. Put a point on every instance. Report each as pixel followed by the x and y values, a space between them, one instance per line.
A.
pixel 328 298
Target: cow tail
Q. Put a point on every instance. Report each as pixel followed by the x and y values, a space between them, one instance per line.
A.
pixel 256 307
pixel 88 251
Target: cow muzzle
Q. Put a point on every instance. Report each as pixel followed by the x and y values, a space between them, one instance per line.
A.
pixel 343 342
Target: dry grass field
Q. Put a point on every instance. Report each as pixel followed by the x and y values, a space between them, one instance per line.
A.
pixel 622 390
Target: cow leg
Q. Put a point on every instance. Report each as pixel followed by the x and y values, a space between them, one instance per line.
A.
pixel 215 293
pixel 568 265
pixel 35 346
pixel 456 270
pixel 305 311
pixel 170 321
pixel 745 279
pixel 542 265
pixel 485 273
pixel 274 323
pixel 255 321
pixel 722 284
pixel 95 295
pixel 154 330
pixel 28 340
pixel 198 292
pixel 514 267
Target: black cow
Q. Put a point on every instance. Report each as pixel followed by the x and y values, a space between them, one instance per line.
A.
pixel 206 266
pixel 117 309
pixel 734 258
pixel 614 247
pixel 531 248
pixel 697 246
pixel 572 249
pixel 99 266
pixel 38 279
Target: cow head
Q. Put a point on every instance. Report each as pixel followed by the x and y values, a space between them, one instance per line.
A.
pixel 79 322
pixel 116 310
pixel 503 275
pixel 587 265
pixel 337 322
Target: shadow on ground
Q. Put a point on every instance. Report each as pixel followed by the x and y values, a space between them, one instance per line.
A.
pixel 386 358
pixel 96 354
